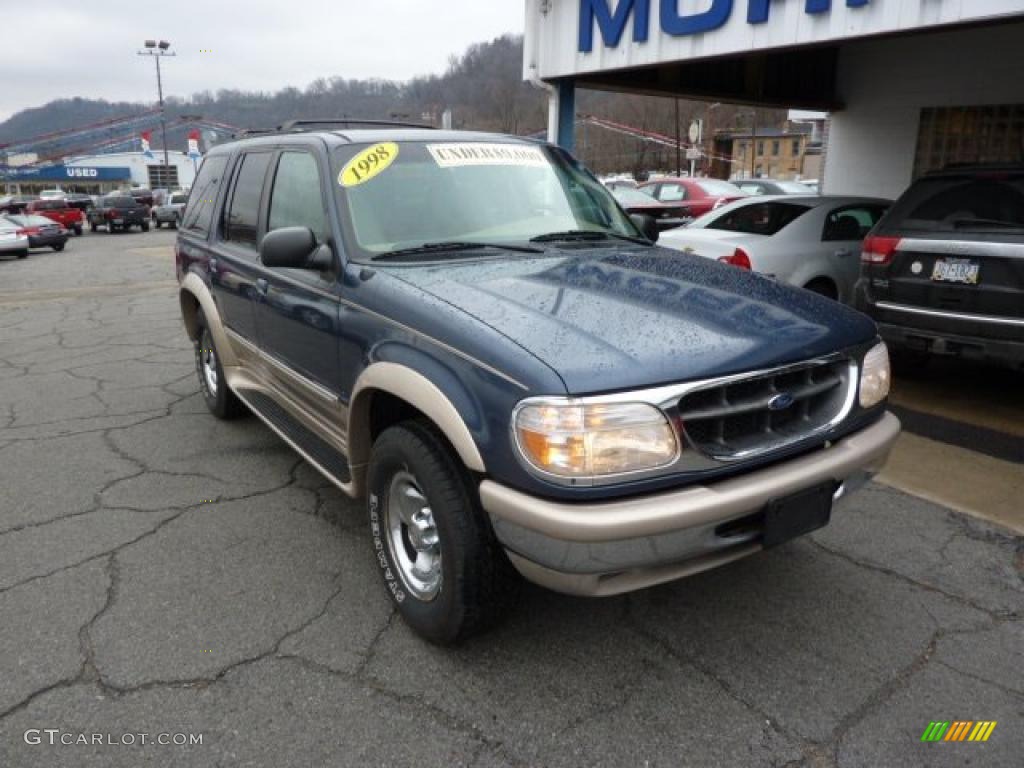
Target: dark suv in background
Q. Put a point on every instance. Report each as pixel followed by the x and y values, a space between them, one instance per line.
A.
pixel 468 332
pixel 943 271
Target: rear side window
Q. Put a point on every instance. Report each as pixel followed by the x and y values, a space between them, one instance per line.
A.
pixel 671 193
pixel 296 199
pixel 241 224
pixel 989 202
pixel 759 218
pixel 198 215
pixel 852 223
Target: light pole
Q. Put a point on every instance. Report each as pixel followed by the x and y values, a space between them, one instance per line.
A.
pixel 158 50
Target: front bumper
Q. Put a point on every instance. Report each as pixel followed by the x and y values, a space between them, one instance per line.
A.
pixel 609 547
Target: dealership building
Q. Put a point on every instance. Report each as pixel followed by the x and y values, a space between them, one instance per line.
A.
pixel 98 174
pixel 909 85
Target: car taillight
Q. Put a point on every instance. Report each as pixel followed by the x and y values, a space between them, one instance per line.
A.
pixel 739 259
pixel 878 250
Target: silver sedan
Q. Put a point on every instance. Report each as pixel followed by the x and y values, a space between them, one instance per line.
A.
pixel 170 211
pixel 812 242
pixel 13 239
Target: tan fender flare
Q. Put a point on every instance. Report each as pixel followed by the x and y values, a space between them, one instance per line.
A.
pixel 194 295
pixel 421 393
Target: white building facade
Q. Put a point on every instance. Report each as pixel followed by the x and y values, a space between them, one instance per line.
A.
pixel 910 85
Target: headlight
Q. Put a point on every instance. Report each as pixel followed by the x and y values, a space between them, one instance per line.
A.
pixel 574 440
pixel 874 376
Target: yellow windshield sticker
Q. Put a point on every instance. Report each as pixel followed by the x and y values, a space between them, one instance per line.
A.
pixel 453 155
pixel 368 164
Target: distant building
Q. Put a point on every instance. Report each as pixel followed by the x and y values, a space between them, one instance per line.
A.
pixel 98 174
pixel 791 152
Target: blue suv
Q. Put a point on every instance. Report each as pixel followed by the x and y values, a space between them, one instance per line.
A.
pixel 468 332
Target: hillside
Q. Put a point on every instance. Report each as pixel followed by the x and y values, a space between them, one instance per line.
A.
pixel 483 87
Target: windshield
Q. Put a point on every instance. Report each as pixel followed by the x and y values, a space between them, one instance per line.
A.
pixel 628 196
pixel 398 196
pixel 717 187
pixel 972 202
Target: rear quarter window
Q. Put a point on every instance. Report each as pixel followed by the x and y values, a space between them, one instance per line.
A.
pixel 198 216
pixel 759 218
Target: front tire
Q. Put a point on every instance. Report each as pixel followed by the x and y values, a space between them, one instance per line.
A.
pixel 58 247
pixel 440 562
pixel 222 402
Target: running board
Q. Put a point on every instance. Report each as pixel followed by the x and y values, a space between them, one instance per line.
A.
pixel 317 451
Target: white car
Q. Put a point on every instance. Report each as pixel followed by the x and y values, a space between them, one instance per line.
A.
pixel 12 239
pixel 52 194
pixel 812 242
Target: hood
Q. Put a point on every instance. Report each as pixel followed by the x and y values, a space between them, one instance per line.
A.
pixel 611 319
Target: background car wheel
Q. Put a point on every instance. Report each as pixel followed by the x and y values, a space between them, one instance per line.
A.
pixel 175 221
pixel 58 247
pixel 145 226
pixel 23 254
pixel 111 228
pixel 78 231
pixel 92 227
pixel 222 402
pixel 440 562
pixel 823 287
pixel 156 223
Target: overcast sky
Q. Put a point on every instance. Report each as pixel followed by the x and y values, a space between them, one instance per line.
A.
pixel 87 48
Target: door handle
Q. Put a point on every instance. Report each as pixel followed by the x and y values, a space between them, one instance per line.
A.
pixel 262 286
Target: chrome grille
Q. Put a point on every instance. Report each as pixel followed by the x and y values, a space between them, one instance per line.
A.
pixel 748 416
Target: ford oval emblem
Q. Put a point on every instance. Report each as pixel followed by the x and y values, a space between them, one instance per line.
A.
pixel 781 402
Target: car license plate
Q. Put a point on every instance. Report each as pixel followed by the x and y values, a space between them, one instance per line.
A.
pixel 795 515
pixel 119 221
pixel 956 271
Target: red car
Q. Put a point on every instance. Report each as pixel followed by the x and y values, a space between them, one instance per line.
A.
pixel 59 211
pixel 666 215
pixel 699 195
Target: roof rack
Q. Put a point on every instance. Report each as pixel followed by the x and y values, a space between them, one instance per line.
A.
pixel 299 125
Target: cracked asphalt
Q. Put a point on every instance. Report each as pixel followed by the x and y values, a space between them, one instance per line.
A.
pixel 163 572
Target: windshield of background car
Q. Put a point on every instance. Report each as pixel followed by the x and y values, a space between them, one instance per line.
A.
pixel 401 195
pixel 628 196
pixel 719 188
pixel 756 219
pixel 990 202
pixel 120 202
pixel 176 199
pixel 795 188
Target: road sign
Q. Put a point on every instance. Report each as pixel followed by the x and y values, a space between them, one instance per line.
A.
pixel 694 131
pixel 693 153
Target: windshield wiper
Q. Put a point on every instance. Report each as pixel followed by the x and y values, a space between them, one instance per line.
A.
pixel 987 223
pixel 452 246
pixel 582 235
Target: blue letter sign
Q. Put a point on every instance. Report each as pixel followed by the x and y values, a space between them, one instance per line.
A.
pixel 613 23
pixel 713 18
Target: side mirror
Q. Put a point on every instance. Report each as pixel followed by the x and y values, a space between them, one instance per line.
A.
pixel 294 248
pixel 647 225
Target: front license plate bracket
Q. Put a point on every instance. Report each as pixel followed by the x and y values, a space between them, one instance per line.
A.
pixel 798 514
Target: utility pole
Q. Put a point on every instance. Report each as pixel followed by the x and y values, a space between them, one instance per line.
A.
pixel 679 159
pixel 753 141
pixel 158 50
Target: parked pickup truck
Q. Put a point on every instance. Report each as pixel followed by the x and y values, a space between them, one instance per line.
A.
pixel 119 212
pixel 57 210
pixel 466 331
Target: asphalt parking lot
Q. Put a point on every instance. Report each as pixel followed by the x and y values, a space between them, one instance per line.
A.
pixel 165 573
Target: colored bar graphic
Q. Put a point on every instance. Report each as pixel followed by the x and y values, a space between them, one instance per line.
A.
pixel 934 731
pixel 958 730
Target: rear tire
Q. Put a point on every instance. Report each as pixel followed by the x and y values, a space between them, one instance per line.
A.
pixel 823 287
pixel 145 226
pixel 111 229
pixel 23 254
pixel 156 223
pixel 222 402
pixel 59 247
pixel 92 227
pixel 78 230
pixel 441 564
